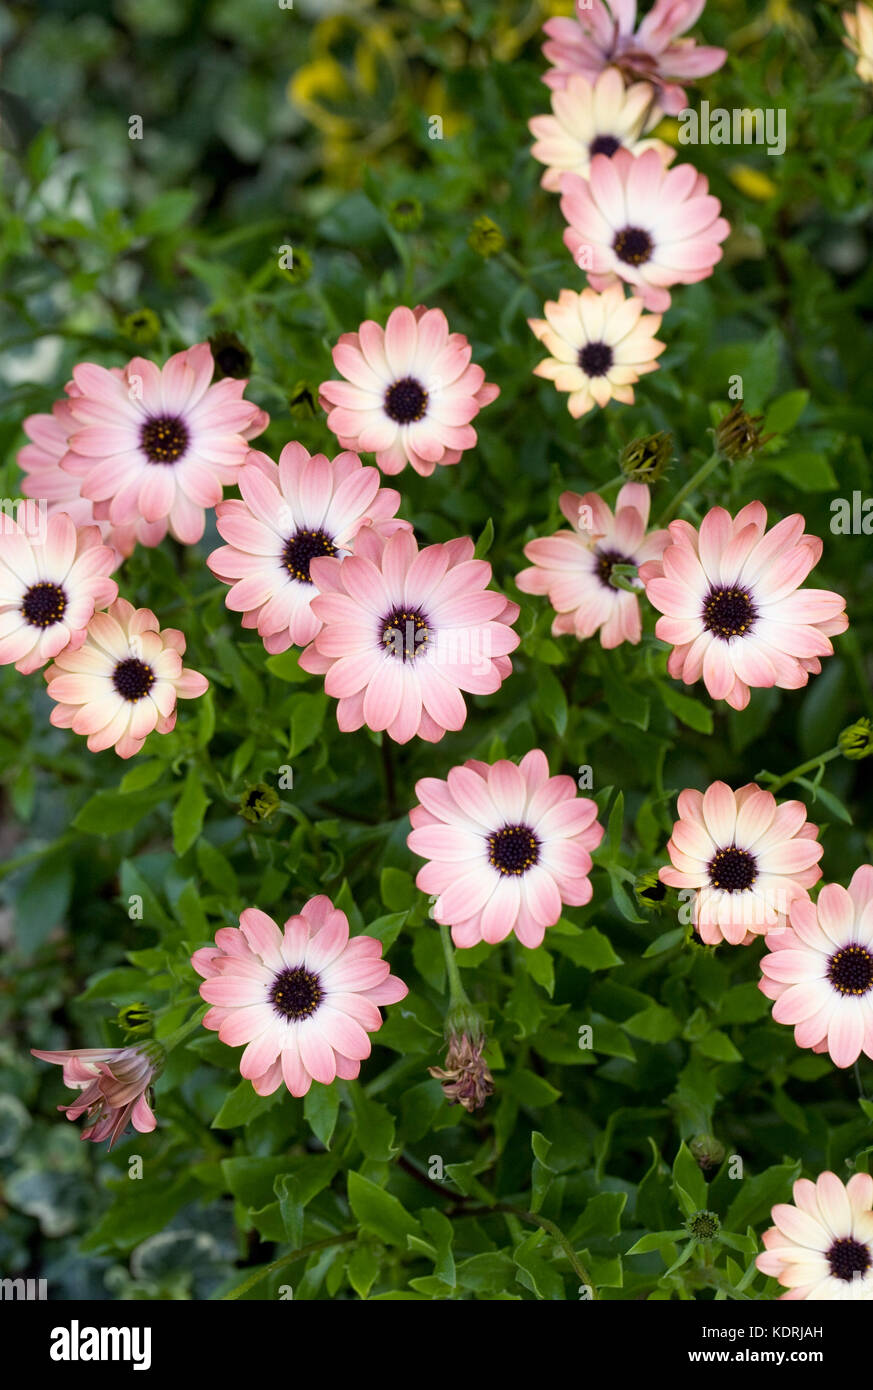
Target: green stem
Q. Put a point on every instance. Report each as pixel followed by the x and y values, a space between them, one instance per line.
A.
pixel 808 766
pixel 694 482
pixel 344 1238
pixel 457 993
pixel 185 1030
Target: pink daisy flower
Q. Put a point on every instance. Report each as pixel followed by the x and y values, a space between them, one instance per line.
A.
pixel 820 970
pixel 573 567
pixel 410 391
pixel 123 681
pixel 506 846
pixel 45 479
pixel 636 221
pixel 303 1000
pixel 822 1246
pixel 156 444
pixel 599 345
pixel 405 631
pixel 602 34
pixel 746 857
pixel 734 610
pixel 305 507
pixel 49 589
pixel 114 1084
pixel 590 118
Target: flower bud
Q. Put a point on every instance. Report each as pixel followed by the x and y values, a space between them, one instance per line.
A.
pixel 258 803
pixel 135 1019
pixel 405 214
pixel 738 435
pixel 649 891
pixel 486 238
pixel 856 741
pixel 647 459
pixel 703 1226
pixel 142 326
pixel 707 1151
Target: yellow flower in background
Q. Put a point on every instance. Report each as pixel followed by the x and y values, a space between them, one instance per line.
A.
pixel 752 182
pixel 349 87
pixel 859 39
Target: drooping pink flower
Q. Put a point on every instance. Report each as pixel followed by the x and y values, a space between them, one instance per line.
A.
pixel 50 588
pixel 156 444
pixel 636 221
pixel 822 1246
pixel 734 610
pixel 746 858
pixel 409 392
pixel 599 346
pixel 114 1083
pixel 506 846
pixel 574 567
pixel 406 631
pixel 303 1000
pixel 288 515
pixel 820 970
pixel 603 34
pixel 123 681
pixel 45 479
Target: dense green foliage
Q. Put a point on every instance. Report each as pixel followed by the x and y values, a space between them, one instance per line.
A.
pixel 187 222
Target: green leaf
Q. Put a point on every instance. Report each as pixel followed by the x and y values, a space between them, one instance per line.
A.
pixel 654 1024
pixel 757 1195
pixel 242 1105
pixel 320 1110
pixel 374 1126
pixel 783 413
pixel 166 213
pixel 665 942
pixel 397 889
pixel 363 1267
pixel 380 1212
pixel 691 712
pixel 286 666
pixel 688 1177
pixel 590 948
pixel 188 813
pixel 108 812
pixel 541 1171
pixel 626 702
pixel 485 541
pixel 307 718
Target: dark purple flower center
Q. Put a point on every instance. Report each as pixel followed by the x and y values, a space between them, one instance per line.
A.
pixel 848 1257
pixel 595 359
pixel 163 439
pixel 513 850
pixel 606 560
pixel 301 549
pixel 296 994
pixel 604 144
pixel 133 679
pixel 405 401
pixel 733 870
pixel 850 970
pixel 728 612
pixel 633 245
pixel 44 604
pixel 405 633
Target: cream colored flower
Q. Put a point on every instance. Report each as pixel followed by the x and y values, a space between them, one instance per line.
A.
pixel 859 39
pixel 592 118
pixel 599 344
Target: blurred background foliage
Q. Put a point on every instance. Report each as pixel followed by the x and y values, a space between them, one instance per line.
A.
pixel 265 127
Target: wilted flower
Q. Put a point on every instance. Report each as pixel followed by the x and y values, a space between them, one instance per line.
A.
pixel 856 741
pixel 465 1078
pixel 645 460
pixel 114 1082
pixel 738 435
pixel 486 238
pixel 258 802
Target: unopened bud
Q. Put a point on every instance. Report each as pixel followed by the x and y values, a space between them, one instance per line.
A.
pixel 738 435
pixel 258 803
pixel 707 1151
pixel 647 459
pixel 857 740
pixel 486 238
